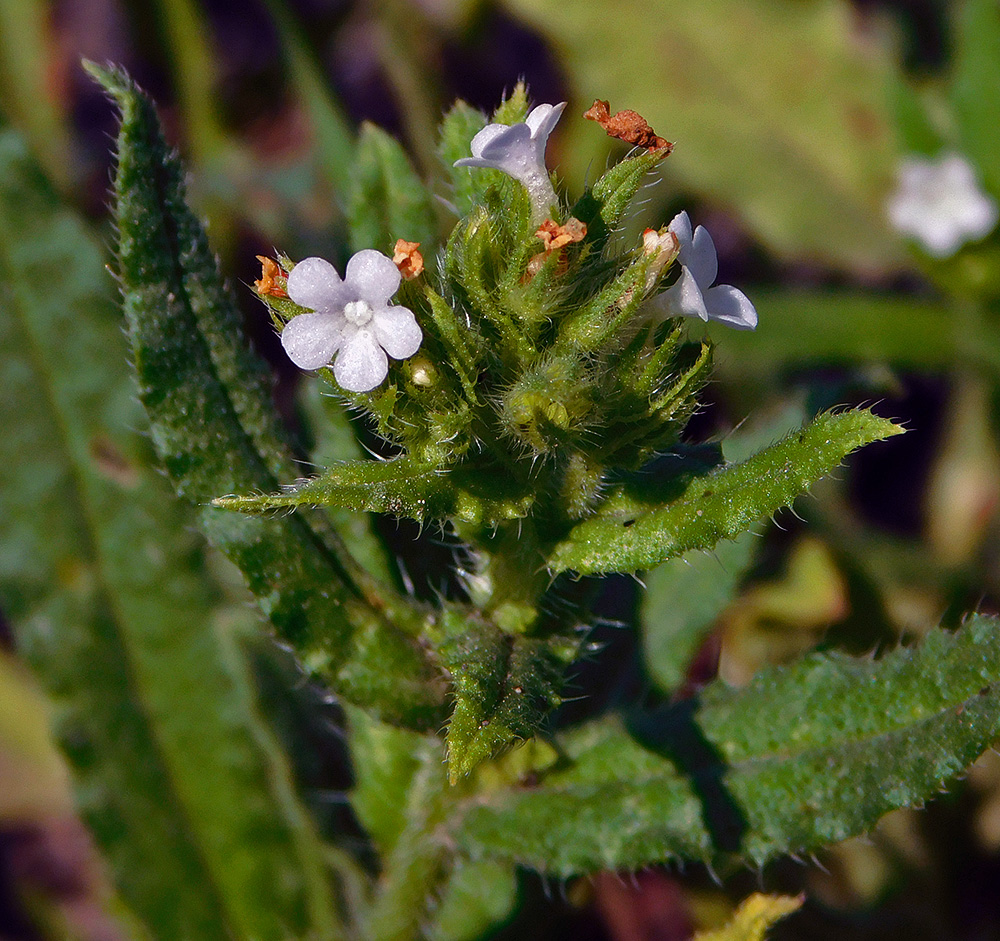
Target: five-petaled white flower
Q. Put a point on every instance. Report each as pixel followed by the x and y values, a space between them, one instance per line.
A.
pixel 519 151
pixel 692 295
pixel 352 319
pixel 940 204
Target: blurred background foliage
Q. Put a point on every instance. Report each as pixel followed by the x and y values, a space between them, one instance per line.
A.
pixel 790 118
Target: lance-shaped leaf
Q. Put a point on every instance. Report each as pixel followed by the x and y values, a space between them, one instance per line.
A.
pixel 387 200
pixel 804 756
pixel 460 125
pixel 632 532
pixel 214 426
pixel 176 772
pixel 505 686
pixel 401 487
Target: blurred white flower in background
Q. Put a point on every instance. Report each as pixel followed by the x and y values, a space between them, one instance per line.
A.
pixel 939 202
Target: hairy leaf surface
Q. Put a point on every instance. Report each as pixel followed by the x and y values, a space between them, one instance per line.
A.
pixel 632 532
pixel 804 756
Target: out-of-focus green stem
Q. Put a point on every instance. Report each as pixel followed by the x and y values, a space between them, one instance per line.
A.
pixel 408 57
pixel 25 95
pixel 333 131
pixel 419 861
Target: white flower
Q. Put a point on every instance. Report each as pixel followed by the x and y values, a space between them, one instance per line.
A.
pixel 692 295
pixel 353 319
pixel 519 151
pixel 939 203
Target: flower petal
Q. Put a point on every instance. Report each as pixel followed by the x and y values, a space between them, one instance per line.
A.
pixel 484 136
pixel 315 283
pixel 373 277
pixel 701 258
pixel 310 340
pixel 398 331
pixel 513 144
pixel 361 363
pixel 543 118
pixel 680 225
pixel 730 306
pixel 684 297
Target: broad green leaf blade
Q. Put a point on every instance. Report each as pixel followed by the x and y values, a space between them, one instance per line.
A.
pixel 627 535
pixel 798 327
pixel 99 575
pixel 400 486
pixel 803 757
pixel 387 200
pixel 216 431
pixel 805 162
pixel 975 90
pixel 682 601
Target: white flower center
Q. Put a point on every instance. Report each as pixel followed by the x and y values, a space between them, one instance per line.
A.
pixel 358 313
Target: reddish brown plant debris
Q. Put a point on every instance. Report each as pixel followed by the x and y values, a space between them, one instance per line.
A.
pixel 407 259
pixel 629 126
pixel 555 237
pixel 269 278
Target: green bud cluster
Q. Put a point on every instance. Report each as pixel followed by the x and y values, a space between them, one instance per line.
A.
pixel 540 367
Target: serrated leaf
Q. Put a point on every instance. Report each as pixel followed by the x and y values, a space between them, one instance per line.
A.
pixel 504 686
pixel 99 575
pixel 804 756
pixel 215 428
pixel 975 91
pixel 387 200
pixel 399 486
pixel 806 164
pixel 629 534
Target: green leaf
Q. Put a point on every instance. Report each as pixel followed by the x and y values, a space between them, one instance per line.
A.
pixel 504 687
pixel 400 486
pixel 799 327
pixel 804 756
pixel 216 430
pixel 975 90
pixel 335 441
pixel 387 200
pixel 629 534
pixel 806 162
pixel 602 207
pixel 468 187
pixel 476 897
pixel 682 601
pixel 99 574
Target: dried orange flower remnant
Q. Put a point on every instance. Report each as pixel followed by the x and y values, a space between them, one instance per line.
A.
pixel 629 126
pixel 407 259
pixel 554 237
pixel 269 275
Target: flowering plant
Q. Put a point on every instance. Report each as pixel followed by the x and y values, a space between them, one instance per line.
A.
pixel 509 368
